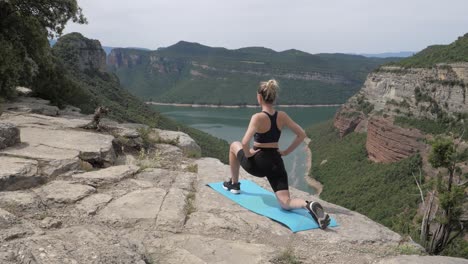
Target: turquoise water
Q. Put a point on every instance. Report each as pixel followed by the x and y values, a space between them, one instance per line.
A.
pixel 230 124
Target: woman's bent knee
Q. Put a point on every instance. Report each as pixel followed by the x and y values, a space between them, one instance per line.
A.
pixel 235 146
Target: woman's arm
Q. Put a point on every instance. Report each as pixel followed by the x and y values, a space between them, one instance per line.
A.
pixel 248 135
pixel 297 129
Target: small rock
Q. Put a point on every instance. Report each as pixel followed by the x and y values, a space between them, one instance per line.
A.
pixel 49 223
pixel 6 219
pixel 23 91
pixel 9 135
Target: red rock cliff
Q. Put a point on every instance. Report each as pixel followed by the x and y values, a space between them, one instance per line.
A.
pixel 387 142
pixel 346 121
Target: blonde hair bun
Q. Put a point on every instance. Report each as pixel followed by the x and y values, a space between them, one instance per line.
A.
pixel 269 90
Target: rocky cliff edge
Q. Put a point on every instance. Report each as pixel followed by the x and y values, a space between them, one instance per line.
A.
pixel 130 194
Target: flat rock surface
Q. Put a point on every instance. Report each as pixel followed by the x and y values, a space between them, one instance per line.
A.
pixel 353 227
pixel 42 121
pixel 94 202
pixel 64 192
pixel 80 244
pixel 19 200
pixel 423 260
pixel 189 249
pixel 141 204
pixel 107 175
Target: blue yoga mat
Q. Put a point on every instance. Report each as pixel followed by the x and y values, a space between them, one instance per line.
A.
pixel 263 202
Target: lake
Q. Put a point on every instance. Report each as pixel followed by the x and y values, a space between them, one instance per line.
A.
pixel 230 124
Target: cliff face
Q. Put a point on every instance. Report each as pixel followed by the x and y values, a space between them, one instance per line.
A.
pixel 144 61
pixel 387 142
pixel 394 91
pixel 417 90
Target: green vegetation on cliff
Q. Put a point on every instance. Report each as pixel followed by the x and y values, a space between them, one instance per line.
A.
pixel 457 51
pixel 24 50
pixel 386 193
pixel 192 73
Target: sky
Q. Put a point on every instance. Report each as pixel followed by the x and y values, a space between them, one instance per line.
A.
pixel 326 26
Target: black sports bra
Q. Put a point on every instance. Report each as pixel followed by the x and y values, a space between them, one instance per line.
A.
pixel 272 135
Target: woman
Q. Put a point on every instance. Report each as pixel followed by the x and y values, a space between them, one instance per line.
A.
pixel 264 159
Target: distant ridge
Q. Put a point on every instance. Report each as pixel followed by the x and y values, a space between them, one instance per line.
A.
pixel 456 51
pixel 401 54
pixel 193 73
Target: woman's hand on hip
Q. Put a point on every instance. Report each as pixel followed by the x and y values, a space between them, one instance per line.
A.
pixel 252 152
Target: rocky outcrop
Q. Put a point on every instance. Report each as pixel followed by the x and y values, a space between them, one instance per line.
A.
pixel 17 173
pixel 180 139
pixel 413 90
pixel 32 105
pixel 389 143
pixel 346 121
pixel 9 135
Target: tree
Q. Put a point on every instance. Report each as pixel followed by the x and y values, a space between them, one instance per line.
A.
pixel 444 222
pixel 25 26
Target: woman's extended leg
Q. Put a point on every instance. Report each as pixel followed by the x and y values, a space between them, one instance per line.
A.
pixel 233 162
pixel 287 203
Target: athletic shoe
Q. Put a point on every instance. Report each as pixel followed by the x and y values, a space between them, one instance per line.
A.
pixel 233 188
pixel 319 215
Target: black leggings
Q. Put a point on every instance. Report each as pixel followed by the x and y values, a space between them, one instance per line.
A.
pixel 267 162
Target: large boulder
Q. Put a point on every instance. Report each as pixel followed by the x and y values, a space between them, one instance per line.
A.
pixel 18 173
pixel 62 144
pixel 180 139
pixel 9 135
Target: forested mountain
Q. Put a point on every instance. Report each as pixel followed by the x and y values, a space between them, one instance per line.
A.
pixel 193 73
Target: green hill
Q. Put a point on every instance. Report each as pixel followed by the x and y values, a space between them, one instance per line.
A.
pixel 83 61
pixel 457 51
pixel 193 73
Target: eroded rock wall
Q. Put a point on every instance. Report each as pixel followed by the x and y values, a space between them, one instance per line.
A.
pixel 387 142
